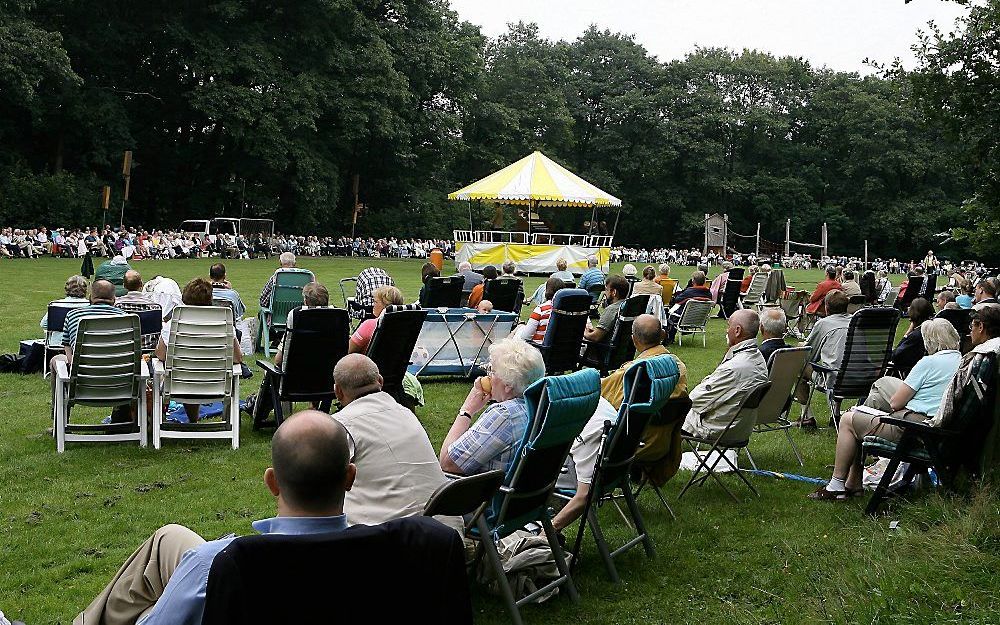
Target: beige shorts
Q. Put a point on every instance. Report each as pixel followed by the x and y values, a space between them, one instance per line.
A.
pixel 870 425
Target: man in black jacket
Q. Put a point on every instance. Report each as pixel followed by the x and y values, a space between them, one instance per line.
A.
pixel 773 325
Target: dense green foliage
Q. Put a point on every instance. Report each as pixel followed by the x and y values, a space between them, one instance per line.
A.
pixel 243 107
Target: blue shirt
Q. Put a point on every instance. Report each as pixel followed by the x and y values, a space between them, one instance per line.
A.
pixel 183 600
pixel 239 308
pixel 964 301
pixel 930 378
pixel 592 277
pixel 490 442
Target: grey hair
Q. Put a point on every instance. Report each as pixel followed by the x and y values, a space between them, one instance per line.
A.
pixel 774 322
pixel 591 261
pixel 663 269
pixel 939 334
pixel 287 259
pixel 748 320
pixel 464 266
pixel 509 267
pixel 76 286
pixel 355 371
pixel 516 363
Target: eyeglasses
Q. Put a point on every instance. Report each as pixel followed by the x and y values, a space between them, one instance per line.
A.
pixel 488 369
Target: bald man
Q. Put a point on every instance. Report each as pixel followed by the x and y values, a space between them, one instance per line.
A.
pixel 647 336
pixel 397 467
pixel 134 299
pixel 715 400
pixel 165 580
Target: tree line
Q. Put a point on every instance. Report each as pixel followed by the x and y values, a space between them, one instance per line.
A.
pixel 259 109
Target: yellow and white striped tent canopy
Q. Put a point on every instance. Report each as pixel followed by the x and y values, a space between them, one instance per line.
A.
pixel 536 179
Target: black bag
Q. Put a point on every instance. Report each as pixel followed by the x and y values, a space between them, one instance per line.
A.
pixel 31 356
pixel 10 363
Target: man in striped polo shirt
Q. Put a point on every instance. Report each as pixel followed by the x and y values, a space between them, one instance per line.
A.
pixel 102 302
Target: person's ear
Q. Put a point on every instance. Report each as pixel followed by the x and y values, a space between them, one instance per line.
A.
pixel 352 472
pixel 271 481
pixel 338 393
pixel 381 381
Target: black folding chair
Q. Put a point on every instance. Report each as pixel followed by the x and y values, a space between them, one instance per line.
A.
pixel 729 296
pixel 443 292
pixel 506 294
pixel 953 452
pixel 392 345
pixel 313 347
pixel 914 286
pixel 619 349
pixel 418 562
pixel 867 350
pixel 674 410
pixel 567 319
pixel 735 436
pixel 150 327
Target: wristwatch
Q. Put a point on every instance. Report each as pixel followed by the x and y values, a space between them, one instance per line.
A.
pixel 465 414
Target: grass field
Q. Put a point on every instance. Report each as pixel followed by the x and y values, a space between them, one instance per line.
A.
pixel 68 521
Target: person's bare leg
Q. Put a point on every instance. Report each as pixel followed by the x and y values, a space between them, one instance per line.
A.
pixel 847 457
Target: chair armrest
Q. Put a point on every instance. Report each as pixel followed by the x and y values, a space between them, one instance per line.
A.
pixel 269 367
pixel 237 369
pixel 825 369
pixel 917 427
pixel 158 368
pixel 62 371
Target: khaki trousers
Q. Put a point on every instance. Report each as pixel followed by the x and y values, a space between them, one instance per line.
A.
pixel 882 391
pixel 134 590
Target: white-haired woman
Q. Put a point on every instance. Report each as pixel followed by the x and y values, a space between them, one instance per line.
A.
pixel 917 398
pixel 479 445
pixel 76 295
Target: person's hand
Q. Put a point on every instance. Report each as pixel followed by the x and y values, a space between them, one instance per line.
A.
pixel 477 398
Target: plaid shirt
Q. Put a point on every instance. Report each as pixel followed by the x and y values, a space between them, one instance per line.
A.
pixel 491 441
pixel 368 281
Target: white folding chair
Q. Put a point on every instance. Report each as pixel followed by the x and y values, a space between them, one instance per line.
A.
pixel 106 371
pixel 199 370
pixel 755 292
pixel 694 319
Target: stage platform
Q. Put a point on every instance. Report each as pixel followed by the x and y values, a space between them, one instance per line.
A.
pixel 537 255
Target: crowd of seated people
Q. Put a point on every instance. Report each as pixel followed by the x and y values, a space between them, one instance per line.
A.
pixel 378 463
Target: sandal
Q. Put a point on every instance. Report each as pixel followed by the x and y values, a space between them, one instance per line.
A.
pixel 855 492
pixel 822 494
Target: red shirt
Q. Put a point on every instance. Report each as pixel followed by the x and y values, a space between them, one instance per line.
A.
pixel 541 315
pixel 816 300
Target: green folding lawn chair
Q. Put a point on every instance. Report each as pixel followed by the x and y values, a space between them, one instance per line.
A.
pixel 648 385
pixel 558 408
pixel 287 294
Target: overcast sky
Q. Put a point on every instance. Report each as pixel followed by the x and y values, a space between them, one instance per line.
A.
pixel 837 33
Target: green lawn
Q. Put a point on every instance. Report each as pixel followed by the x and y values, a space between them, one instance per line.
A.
pixel 67 521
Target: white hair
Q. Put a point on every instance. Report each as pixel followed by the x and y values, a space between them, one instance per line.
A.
pixel 464 266
pixel 287 259
pixel 939 334
pixel 773 321
pixel 591 261
pixel 664 269
pixel 516 363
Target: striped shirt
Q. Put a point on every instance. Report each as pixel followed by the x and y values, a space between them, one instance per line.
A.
pixel 74 316
pixel 541 316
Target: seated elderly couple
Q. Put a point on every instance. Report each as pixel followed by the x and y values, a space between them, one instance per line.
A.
pixel 928 394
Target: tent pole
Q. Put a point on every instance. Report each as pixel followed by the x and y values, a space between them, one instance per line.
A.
pixel 593 216
pixel 471 227
pixel 757 246
pixel 614 230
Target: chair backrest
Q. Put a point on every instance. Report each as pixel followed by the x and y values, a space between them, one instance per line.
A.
pixel 745 417
pixel 199 364
pixel 558 408
pixel 867 284
pixel 507 294
pixel 784 368
pixel 324 577
pixel 930 286
pixel 792 304
pixel 729 296
pixel 56 314
pixel 107 360
pixel 464 496
pixel 150 325
pixel 648 385
pixel 890 297
pixel 756 289
pixel 913 287
pixel 313 347
pixel 737 273
pixel 669 286
pixel 595 291
pixel 855 303
pixel 974 417
pixel 225 303
pixel 621 349
pixel 392 344
pixel 287 293
pixel 564 333
pixel 443 292
pixel 959 318
pixel 695 314
pixel 867 350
